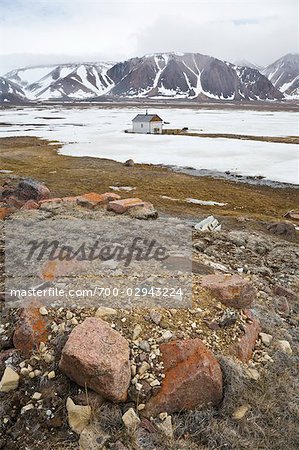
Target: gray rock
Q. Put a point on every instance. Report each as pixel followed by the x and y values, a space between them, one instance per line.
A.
pixel 129 163
pixel 130 420
pixel 93 438
pixel 144 345
pixel 155 316
pixel 266 338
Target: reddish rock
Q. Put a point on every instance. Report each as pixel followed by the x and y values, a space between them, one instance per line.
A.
pixel 31 329
pixel 30 204
pixel 14 202
pixel 244 347
pixel 121 206
pixel 285 292
pixel 232 291
pixel 97 356
pixel 69 199
pixel 32 190
pixel 4 212
pixel 193 378
pixel 92 199
pixel 50 200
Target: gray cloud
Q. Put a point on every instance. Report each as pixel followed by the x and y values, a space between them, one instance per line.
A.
pixel 35 32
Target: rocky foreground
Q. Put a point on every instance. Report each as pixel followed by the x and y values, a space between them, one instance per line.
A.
pixel 222 374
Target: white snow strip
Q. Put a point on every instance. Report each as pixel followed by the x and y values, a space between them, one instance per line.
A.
pixel 204 202
pixel 122 188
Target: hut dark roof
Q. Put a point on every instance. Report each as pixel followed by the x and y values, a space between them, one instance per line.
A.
pixel 147 118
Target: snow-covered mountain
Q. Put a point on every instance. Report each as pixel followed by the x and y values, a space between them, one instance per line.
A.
pixel 190 76
pixel 10 92
pixel 284 75
pixel 246 63
pixel 64 81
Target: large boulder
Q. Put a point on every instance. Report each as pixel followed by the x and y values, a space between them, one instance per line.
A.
pixel 193 378
pixel 97 356
pixel 282 229
pixel 232 291
pixel 29 189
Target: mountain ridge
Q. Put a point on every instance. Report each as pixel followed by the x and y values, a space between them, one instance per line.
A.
pixel 168 75
pixel 284 74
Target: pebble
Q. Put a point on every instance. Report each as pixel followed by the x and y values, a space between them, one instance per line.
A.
pixel 27 408
pixel 253 374
pixel 143 368
pixel 136 332
pixel 48 358
pixel 130 420
pixel 240 412
pixel 155 316
pixel 36 396
pixel 51 375
pixel 266 338
pixel 166 427
pixel 144 345
pixel 285 347
pixel 43 311
pixel 166 336
pixel 105 311
pixel 9 381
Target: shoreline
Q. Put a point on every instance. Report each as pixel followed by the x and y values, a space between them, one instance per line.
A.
pixel 234 177
pixel 292 105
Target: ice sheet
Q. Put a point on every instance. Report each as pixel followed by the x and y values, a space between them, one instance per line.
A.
pixel 99 132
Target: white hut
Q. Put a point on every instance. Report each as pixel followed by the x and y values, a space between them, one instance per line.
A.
pixel 147 123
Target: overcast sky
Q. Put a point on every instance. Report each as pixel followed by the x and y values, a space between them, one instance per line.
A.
pixel 36 32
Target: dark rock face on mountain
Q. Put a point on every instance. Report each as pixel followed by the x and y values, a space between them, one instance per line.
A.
pixel 255 84
pixel 284 74
pixel 10 92
pixel 189 76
